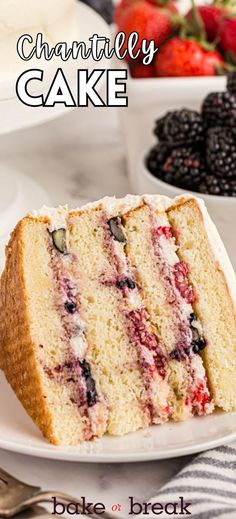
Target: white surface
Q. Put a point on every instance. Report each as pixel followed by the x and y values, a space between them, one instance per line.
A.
pixel 152 98
pixel 18 434
pixel 14 114
pixel 59 156
pixel 222 209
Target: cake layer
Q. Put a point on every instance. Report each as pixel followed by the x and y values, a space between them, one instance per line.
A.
pixel 213 303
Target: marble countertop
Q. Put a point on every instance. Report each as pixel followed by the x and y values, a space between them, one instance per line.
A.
pixel 80 157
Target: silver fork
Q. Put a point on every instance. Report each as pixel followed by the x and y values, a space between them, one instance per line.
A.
pixel 16 496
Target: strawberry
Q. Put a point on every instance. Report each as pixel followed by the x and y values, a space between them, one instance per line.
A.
pixel 167 4
pixel 181 57
pixel 120 10
pixel 211 16
pixel 227 36
pixel 151 23
pixel 140 71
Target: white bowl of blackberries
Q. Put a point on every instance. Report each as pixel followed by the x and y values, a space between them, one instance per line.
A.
pixel 196 151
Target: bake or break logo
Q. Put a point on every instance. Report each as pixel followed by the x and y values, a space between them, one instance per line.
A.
pixel 87 81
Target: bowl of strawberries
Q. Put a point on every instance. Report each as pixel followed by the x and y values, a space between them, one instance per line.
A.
pixel 196 49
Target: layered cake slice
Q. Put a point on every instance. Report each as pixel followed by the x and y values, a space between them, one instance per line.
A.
pixel 117 316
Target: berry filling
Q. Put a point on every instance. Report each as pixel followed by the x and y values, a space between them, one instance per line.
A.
pixel 201 398
pixel 181 271
pixel 188 331
pixel 70 307
pixel 125 282
pixel 163 230
pixel 141 336
pixel 90 383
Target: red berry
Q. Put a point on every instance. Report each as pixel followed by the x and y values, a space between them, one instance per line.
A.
pixel 169 4
pixel 120 10
pixel 227 35
pixel 140 71
pixel 212 63
pixel 150 22
pixel 212 16
pixel 179 58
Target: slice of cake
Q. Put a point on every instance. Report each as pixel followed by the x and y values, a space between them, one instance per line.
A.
pixel 117 316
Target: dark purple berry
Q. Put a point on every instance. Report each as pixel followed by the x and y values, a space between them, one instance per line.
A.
pixel 218 186
pixel 116 229
pixel 70 307
pixel 199 345
pixel 59 240
pixel 180 128
pixel 126 282
pixel 192 317
pixel 90 383
pixel 221 153
pixel 219 109
pixel 231 83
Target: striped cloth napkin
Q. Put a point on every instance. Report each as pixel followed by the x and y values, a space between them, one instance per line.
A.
pixel 208 483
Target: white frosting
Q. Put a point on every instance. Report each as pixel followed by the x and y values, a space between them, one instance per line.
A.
pixel 219 250
pixel 120 206
pixel 56 215
pixel 18 15
pixel 55 19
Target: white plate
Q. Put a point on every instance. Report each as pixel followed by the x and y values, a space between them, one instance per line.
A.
pixel 19 434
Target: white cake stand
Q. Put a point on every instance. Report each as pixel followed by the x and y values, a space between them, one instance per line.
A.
pixel 15 115
pixel 18 193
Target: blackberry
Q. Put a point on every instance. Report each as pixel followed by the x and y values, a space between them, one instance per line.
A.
pixel 218 186
pixel 221 153
pixel 231 83
pixel 156 159
pixel 184 167
pixel 179 128
pixel 219 109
